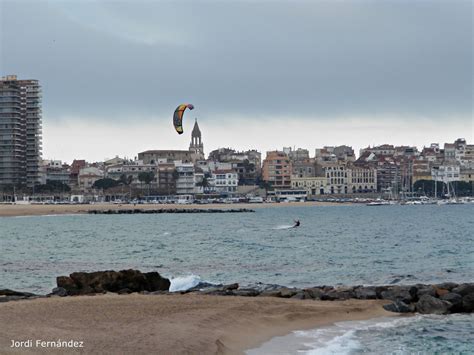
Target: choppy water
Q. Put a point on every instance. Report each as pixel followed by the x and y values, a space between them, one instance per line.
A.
pixel 421 334
pixel 335 245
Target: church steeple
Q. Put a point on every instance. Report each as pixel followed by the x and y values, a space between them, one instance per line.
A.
pixel 196 145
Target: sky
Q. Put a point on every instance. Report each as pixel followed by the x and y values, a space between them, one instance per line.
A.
pixel 261 74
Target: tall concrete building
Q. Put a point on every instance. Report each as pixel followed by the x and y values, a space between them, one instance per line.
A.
pixel 20 131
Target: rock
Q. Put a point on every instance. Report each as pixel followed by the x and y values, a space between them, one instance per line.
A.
pixel 340 293
pixel 288 292
pixel 314 293
pixel 430 305
pixel 7 292
pixel 155 282
pixel 379 290
pixel 365 293
pixel 81 283
pixel 447 285
pixel 468 303
pixel 441 291
pixel 124 291
pixel 233 286
pixel 12 298
pixel 299 296
pixel 455 300
pixel 402 293
pixel 399 307
pixel 246 292
pixel 59 291
pixel 464 289
pixel 270 293
pixel 426 290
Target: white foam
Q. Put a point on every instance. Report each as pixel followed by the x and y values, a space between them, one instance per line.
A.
pixel 283 227
pixel 184 282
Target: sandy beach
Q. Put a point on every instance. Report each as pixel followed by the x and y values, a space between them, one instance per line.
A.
pixel 7 210
pixel 169 324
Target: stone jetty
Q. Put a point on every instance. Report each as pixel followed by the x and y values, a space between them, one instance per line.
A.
pixel 170 210
pixel 442 298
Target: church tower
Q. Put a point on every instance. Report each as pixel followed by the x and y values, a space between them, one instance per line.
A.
pixel 196 147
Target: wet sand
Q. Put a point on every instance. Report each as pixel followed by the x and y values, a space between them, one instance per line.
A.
pixel 7 210
pixel 168 324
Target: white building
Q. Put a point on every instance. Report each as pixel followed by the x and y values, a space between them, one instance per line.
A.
pixel 314 185
pixel 185 182
pixel 225 180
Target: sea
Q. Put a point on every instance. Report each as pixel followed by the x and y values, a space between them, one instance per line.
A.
pixel 335 245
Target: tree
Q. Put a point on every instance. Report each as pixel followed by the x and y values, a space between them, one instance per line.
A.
pixel 105 183
pixel 146 177
pixel 52 186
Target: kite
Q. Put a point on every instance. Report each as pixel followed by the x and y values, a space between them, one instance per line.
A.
pixel 178 117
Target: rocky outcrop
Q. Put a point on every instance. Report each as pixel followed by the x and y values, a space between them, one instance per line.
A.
pixel 7 295
pixel 82 283
pixel 399 307
pixel 431 305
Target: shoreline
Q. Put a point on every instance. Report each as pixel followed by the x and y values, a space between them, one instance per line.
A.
pixel 186 323
pixel 18 210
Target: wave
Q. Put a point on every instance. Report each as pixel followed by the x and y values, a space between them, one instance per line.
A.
pixel 184 283
pixel 283 227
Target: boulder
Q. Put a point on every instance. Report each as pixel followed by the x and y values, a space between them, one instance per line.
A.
pixel 454 299
pixel 314 293
pixel 399 307
pixel 246 292
pixel 468 303
pixel 59 291
pixel 441 291
pixel 365 293
pixel 288 292
pixel 426 290
pixel 403 293
pixel 447 285
pixel 233 286
pixel 430 305
pixel 7 292
pixel 464 289
pixel 340 293
pixel 81 283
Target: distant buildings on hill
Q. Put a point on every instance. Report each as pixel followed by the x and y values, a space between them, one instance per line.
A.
pixel 333 170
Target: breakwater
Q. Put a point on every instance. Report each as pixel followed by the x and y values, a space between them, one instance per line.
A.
pixel 442 298
pixel 170 210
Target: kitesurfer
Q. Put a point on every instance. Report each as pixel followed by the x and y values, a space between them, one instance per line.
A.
pixel 297 223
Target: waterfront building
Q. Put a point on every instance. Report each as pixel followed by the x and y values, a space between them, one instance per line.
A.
pixel 314 185
pixel 337 179
pixel 362 179
pixel 132 169
pixel 225 181
pixel 20 131
pixel 277 169
pixel 185 181
pixel 54 170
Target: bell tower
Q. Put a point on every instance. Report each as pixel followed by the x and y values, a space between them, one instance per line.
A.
pixel 196 147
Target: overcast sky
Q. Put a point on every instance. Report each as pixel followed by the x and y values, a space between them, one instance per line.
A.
pixel 261 74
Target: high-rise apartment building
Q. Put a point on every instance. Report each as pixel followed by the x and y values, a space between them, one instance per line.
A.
pixel 20 131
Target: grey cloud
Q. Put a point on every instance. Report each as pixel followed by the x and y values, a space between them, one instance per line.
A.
pixel 241 58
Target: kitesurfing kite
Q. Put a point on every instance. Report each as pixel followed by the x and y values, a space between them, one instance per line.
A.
pixel 178 117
